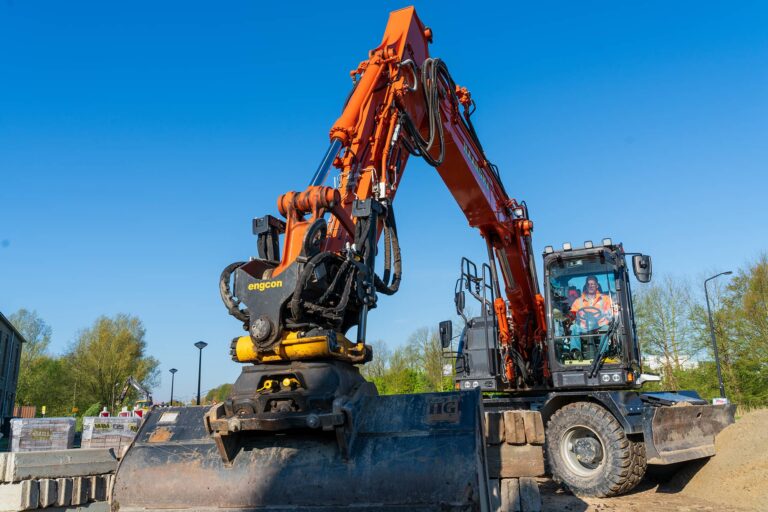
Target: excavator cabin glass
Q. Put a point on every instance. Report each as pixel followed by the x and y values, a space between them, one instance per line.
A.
pixel 584 309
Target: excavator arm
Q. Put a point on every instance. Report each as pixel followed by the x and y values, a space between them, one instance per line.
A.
pixel 130 382
pixel 403 103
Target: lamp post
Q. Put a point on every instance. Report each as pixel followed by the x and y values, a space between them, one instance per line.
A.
pixel 173 376
pixel 200 345
pixel 712 332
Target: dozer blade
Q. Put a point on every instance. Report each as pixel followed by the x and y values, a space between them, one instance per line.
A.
pixel 420 452
pixel 684 432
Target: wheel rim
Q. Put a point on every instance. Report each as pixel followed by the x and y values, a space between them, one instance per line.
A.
pixel 582 451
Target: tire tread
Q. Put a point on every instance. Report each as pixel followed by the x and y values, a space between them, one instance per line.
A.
pixel 626 461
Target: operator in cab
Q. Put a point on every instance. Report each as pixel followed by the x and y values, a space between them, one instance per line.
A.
pixel 594 309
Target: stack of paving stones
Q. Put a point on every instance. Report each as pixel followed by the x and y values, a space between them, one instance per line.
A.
pixel 111 432
pixel 515 451
pixel 57 480
pixel 39 434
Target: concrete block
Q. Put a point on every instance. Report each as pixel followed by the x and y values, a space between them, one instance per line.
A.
pixel 3 462
pixel 99 486
pixel 64 492
pixel 514 427
pixel 534 427
pixel 20 496
pixel 530 499
pixel 110 484
pixel 81 490
pixel 513 461
pixel 510 495
pixel 48 492
pixel 494 427
pixel 59 464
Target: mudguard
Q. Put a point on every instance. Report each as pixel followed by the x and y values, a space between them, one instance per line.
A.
pixel 421 452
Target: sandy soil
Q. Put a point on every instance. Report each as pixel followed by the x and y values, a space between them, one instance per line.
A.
pixel 735 479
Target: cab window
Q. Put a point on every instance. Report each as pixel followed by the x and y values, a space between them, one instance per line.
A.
pixel 584 310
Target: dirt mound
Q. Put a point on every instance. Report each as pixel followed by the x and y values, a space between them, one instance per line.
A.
pixel 738 475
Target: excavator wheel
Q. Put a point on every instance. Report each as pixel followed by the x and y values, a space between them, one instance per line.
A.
pixel 589 452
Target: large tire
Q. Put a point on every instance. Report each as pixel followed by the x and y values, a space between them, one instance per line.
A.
pixel 589 452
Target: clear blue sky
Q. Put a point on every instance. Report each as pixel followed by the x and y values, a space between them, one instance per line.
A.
pixel 137 141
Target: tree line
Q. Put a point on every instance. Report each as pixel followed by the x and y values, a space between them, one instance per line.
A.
pixel 673 327
pixel 90 374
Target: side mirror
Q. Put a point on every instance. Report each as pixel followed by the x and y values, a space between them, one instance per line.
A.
pixel 641 264
pixel 446 333
pixel 459 300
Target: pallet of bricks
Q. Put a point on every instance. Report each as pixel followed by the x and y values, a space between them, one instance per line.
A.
pixel 515 452
pixel 110 432
pixel 57 479
pixel 37 434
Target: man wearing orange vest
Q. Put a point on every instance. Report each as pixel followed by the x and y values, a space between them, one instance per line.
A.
pixel 593 309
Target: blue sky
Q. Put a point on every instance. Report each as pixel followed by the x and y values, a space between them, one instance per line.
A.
pixel 138 140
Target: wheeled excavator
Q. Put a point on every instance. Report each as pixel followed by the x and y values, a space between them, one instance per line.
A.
pixel 301 428
pixel 142 405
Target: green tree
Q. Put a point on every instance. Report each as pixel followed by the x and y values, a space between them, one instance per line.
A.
pixel 663 314
pixel 50 385
pixel 34 354
pixel 403 375
pixel 740 318
pixel 105 355
pixel 376 370
pixel 36 332
pixel 748 294
pixel 416 367
pixel 429 356
pixel 217 394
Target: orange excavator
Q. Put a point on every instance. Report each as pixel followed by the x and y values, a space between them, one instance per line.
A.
pixel 302 429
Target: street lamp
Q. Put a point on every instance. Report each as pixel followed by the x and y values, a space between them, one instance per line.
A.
pixel 712 332
pixel 201 345
pixel 173 376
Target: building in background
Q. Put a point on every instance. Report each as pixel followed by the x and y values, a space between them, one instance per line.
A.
pixel 10 357
pixel 656 362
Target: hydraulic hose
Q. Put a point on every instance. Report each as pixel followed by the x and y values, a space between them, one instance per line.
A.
pixel 392 258
pixel 230 301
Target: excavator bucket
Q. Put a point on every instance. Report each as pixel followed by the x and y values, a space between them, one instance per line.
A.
pixel 683 431
pixel 420 452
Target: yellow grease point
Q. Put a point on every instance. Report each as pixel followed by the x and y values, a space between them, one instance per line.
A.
pixel 286 382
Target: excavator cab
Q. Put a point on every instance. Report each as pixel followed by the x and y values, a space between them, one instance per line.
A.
pixel 591 338
pixel 591 332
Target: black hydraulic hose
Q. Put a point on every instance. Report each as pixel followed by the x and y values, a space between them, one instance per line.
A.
pixel 392 257
pixel 301 283
pixel 230 301
pixel 432 72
